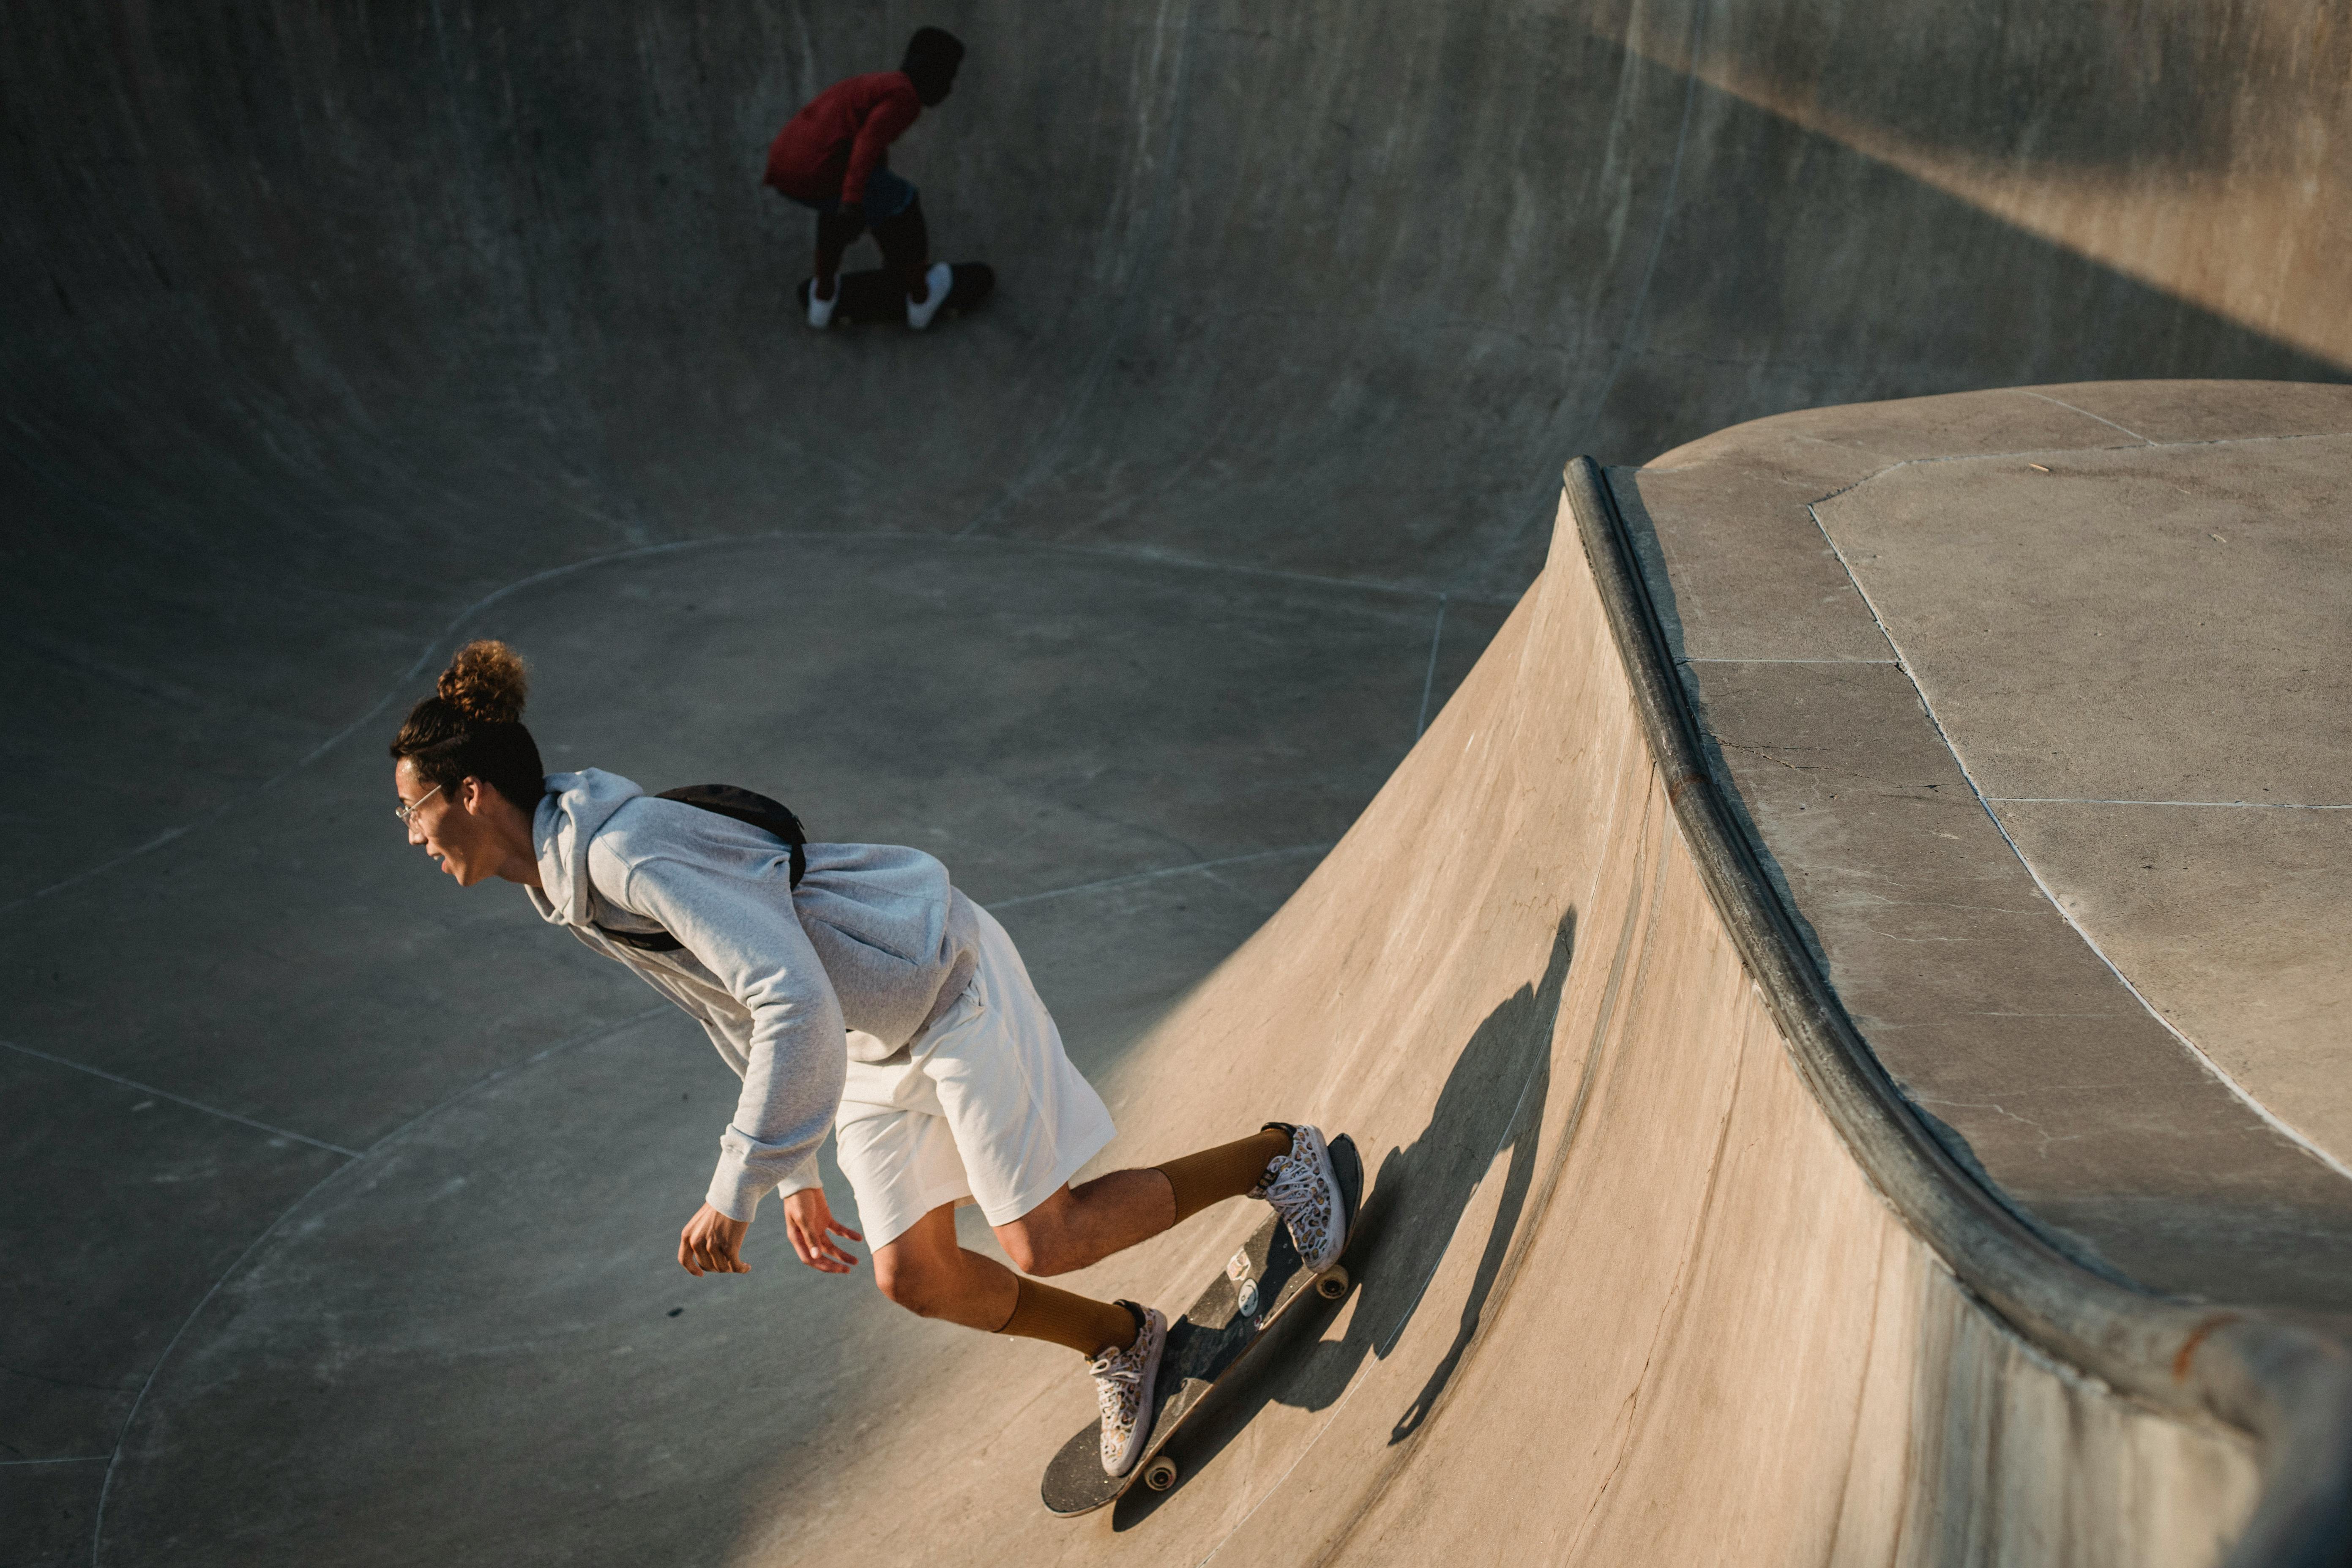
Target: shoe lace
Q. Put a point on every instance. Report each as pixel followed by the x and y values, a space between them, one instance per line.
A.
pixel 1294 1189
pixel 1116 1383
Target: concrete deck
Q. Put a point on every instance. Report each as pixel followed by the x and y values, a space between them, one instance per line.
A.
pixel 340 1205
pixel 2036 700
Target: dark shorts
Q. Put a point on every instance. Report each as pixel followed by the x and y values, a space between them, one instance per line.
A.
pixel 887 195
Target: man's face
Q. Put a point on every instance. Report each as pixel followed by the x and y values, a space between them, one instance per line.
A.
pixel 441 826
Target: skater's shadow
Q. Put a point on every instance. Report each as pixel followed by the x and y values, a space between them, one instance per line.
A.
pixel 1492 1100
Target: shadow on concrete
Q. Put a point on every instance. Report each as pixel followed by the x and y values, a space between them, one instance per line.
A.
pixel 330 327
pixel 1493 1101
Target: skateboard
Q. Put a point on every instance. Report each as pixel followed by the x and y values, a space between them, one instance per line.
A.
pixel 873 295
pixel 1260 1284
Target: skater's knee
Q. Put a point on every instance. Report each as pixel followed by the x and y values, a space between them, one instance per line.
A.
pixel 914 1283
pixel 924 1279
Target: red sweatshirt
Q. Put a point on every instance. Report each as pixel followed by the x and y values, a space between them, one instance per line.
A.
pixel 827 150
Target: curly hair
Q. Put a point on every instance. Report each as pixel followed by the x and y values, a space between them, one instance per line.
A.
pixel 471 727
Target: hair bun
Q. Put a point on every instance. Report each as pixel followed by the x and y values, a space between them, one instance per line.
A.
pixel 486 682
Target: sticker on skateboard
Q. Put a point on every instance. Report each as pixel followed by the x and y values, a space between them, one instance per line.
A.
pixel 873 295
pixel 1259 1285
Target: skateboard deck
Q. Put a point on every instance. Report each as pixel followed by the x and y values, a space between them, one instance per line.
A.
pixel 1260 1284
pixel 873 295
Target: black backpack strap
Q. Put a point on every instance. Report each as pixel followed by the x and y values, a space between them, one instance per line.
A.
pixel 643 940
pixel 743 805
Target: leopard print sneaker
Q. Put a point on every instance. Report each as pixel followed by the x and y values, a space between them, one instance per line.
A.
pixel 1305 1191
pixel 1123 1388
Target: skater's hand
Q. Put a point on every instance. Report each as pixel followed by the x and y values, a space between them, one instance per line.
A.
pixel 808 1220
pixel 712 1244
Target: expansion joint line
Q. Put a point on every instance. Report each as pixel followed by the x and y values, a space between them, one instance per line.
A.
pixel 2269 1117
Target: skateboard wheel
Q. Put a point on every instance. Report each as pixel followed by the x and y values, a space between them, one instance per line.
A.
pixel 1333 1284
pixel 1247 1303
pixel 1159 1474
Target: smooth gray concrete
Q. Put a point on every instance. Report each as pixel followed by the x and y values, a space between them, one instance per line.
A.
pixel 2148 623
pixel 2071 836
pixel 324 325
pixel 465 1150
pixel 2231 923
pixel 335 336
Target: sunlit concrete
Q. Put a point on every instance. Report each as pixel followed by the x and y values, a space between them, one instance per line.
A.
pixel 337 336
pixel 2035 699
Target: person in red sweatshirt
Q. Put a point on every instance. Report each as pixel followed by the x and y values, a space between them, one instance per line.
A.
pixel 833 157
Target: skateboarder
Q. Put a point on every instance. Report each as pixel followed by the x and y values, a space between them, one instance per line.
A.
pixel 833 157
pixel 872 998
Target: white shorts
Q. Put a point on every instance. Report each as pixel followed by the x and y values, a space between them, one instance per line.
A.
pixel 985 1108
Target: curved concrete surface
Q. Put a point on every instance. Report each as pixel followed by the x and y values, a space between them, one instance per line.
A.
pixel 337 335
pixel 1614 1244
pixel 2034 699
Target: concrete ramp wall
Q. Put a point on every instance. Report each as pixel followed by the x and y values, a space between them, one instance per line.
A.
pixel 338 331
pixel 1626 1289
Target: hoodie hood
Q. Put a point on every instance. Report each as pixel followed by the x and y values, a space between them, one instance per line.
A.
pixel 575 807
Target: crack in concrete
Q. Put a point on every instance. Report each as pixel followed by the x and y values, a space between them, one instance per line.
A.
pixel 2047 1139
pixel 2272 1119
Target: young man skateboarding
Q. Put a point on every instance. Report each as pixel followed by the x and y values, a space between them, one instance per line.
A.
pixel 833 157
pixel 866 994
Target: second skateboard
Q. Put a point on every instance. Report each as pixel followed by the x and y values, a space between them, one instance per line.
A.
pixel 873 295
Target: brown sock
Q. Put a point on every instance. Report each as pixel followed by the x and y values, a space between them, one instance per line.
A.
pixel 1228 1170
pixel 1087 1326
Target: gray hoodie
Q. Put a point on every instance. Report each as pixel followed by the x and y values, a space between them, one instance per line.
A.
pixel 859 959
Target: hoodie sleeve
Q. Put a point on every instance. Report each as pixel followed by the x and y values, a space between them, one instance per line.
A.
pixel 885 124
pixel 748 938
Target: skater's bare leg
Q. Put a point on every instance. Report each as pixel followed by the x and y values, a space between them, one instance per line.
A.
pixel 1084 1225
pixel 927 1272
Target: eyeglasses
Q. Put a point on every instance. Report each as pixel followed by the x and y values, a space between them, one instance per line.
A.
pixel 406 809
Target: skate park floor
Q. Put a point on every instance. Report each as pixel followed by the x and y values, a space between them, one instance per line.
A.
pixel 343 1204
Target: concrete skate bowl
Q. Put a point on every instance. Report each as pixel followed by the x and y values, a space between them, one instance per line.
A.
pixel 337 335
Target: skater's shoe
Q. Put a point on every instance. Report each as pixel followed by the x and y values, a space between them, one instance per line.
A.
pixel 937 282
pixel 820 310
pixel 1303 1189
pixel 1123 1386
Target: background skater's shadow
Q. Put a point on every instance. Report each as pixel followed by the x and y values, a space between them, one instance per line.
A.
pixel 1492 1100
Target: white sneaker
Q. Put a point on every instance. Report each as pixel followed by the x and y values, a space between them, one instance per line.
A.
pixel 1303 1189
pixel 820 310
pixel 1123 1387
pixel 936 284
